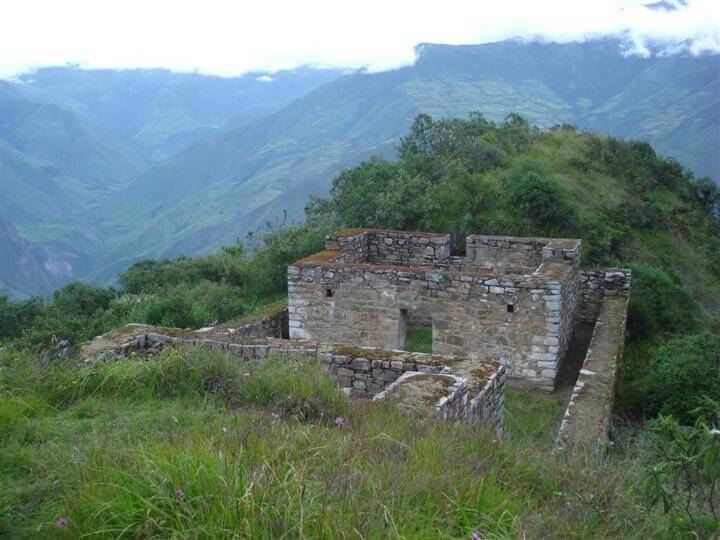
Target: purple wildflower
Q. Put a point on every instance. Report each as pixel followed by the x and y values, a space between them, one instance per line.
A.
pixel 63 522
pixel 224 429
pixel 274 416
pixel 475 536
pixel 339 420
pixel 179 494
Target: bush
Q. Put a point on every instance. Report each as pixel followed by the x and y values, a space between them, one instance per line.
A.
pixel 687 371
pixel 686 478
pixel 658 305
pixel 17 317
pixel 545 203
pixel 176 310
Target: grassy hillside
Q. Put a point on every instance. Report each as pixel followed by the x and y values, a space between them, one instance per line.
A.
pixel 66 139
pixel 236 181
pixel 146 449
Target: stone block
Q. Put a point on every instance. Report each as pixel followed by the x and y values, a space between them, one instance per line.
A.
pixel 360 364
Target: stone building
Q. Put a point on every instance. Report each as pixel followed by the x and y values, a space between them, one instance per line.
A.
pixel 505 311
pixel 512 300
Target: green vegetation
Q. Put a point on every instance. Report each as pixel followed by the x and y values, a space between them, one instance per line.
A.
pixel 418 339
pixel 185 293
pixel 686 478
pixel 178 445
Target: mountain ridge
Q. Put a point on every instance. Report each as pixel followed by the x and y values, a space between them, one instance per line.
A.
pixel 234 180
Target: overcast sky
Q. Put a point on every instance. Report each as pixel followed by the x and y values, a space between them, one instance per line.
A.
pixel 227 38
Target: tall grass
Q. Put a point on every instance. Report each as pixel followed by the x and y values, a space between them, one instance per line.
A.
pixel 296 387
pixel 186 445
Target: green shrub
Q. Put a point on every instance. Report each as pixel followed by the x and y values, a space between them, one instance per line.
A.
pixel 176 310
pixel 659 305
pixel 686 372
pixel 530 190
pixel 685 479
pixel 17 317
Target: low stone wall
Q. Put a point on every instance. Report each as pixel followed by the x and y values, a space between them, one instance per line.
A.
pixel 449 396
pixel 350 245
pixel 275 326
pixel 595 284
pixel 408 248
pixel 509 254
pixel 359 371
pixel 587 417
pixel 376 246
pixel 363 371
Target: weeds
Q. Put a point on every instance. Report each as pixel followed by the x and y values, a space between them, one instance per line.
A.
pixel 187 445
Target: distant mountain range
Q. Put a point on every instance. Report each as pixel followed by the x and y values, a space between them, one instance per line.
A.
pixel 102 168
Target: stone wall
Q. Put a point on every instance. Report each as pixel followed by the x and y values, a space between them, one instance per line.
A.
pixel 505 253
pixel 594 284
pixel 382 246
pixel 470 314
pixel 509 254
pixel 360 371
pixel 351 245
pixel 451 397
pixel 587 417
pixel 408 248
pixel 275 325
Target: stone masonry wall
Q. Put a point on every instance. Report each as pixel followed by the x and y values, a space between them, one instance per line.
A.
pixel 588 414
pixel 594 284
pixel 408 248
pixel 352 245
pixel 362 370
pixel 459 398
pixel 505 252
pixel 275 325
pixel 382 246
pixel 470 314
pixel 359 371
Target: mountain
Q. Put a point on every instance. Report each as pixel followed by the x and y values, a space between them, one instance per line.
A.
pixel 233 182
pixel 70 137
pixel 29 268
pixel 223 166
pixel 159 112
pixel 61 136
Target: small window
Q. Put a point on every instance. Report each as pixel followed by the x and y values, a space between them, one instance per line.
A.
pixel 329 293
pixel 510 308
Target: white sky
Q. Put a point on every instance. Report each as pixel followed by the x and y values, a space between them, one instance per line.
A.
pixel 231 37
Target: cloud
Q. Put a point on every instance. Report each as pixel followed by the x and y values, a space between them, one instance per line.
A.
pixel 231 37
pixel 264 78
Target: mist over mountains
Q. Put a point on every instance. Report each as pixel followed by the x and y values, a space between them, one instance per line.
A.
pixel 102 168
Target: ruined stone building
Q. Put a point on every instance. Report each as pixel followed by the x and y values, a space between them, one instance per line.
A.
pixel 505 311
pixel 513 300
